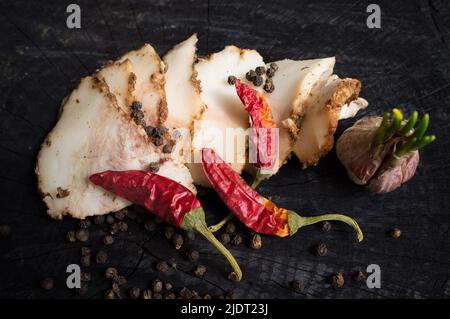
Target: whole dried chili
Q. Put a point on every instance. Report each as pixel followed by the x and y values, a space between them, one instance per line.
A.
pixel 255 211
pixel 165 198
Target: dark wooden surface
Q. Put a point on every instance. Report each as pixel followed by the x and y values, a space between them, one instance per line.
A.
pixel 406 64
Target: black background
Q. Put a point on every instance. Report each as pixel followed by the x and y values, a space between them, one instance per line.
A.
pixel 403 64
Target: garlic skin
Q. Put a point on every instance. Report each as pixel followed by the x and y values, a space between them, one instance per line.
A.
pixel 374 165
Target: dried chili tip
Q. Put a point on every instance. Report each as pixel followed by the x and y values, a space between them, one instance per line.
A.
pixel 337 280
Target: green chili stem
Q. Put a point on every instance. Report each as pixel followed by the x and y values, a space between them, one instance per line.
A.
pixel 296 222
pixel 407 128
pixel 381 133
pixel 236 275
pixel 220 224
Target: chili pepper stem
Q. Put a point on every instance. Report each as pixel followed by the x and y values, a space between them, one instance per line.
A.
pixel 220 224
pixel 296 222
pixel 196 220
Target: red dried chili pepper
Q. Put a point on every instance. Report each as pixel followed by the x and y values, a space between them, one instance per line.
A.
pixel 255 211
pixel 165 198
pixel 263 136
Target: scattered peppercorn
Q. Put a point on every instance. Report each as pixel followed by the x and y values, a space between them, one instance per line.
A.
pixel 337 280
pixel 136 105
pixel 120 280
pixel 169 232
pixel 269 87
pixel 71 236
pixel 168 286
pixel 85 276
pixel 395 233
pixel 250 75
pixel 207 296
pixel 83 290
pixel 256 241
pixel 110 219
pixel 162 266
pixel 109 294
pixel 224 238
pixel 149 130
pixel 157 295
pixel 4 231
pixel 114 228
pixel 157 286
pixel 231 80
pixel 186 293
pixel 146 294
pixel 123 227
pixel 274 66
pixel 190 235
pixel 116 289
pixel 231 295
pixel 99 219
pixel 131 214
pixel 82 235
pixel 200 271
pixel 111 273
pixel 258 80
pixel 85 260
pixel 85 251
pixel 120 214
pixel 193 255
pixel 47 283
pixel 84 223
pixel 230 228
pixel 135 292
pixel 297 285
pixel 108 240
pixel 61 192
pixel 101 257
pixel 177 240
pixel 260 70
pixel 321 250
pixel 150 225
pixel 326 226
pixel 270 72
pixel 358 276
pixel 169 295
pixel 236 240
pixel 157 140
pixel 167 148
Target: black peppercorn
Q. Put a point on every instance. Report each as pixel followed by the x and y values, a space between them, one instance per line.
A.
pixel 193 255
pixel 83 290
pixel 157 295
pixel 149 130
pixel 260 70
pixel 326 226
pixel 108 240
pixel 395 233
pixel 224 238
pixel 169 231
pixel 321 250
pixel 230 228
pixel 109 294
pixel 200 271
pixel 258 80
pixel 162 266
pixel 47 283
pixel 114 228
pixel 297 285
pixel 250 75
pixel 167 148
pixel 231 295
pixel 157 286
pixel 186 293
pixel 358 276
pixel 85 276
pixel 256 241
pixel 157 140
pixel 99 219
pixel 168 286
pixel 150 225
pixel 85 260
pixel 110 219
pixel 4 231
pixel 236 240
pixel 337 280
pixel 120 215
pixel 136 105
pixel 207 296
pixel 159 131
pixel 146 294
pixel 71 236
pixel 131 214
pixel 169 295
pixel 269 87
pixel 231 80
pixel 85 251
pixel 101 257
pixel 135 292
pixel 120 280
pixel 84 223
pixel 111 273
pixel 274 66
pixel 123 227
pixel 270 72
pixel 82 235
pixel 177 240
